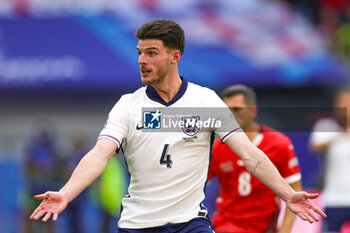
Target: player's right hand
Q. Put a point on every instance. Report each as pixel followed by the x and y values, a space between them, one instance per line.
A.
pixel 52 203
pixel 299 203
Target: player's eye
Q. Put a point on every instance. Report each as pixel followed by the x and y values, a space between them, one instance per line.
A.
pixel 236 109
pixel 151 53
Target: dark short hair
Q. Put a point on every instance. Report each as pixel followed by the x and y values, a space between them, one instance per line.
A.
pixel 239 89
pixel 168 31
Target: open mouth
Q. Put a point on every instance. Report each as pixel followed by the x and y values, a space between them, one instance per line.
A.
pixel 145 71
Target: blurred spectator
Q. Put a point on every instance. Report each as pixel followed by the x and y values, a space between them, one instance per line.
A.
pixel 334 22
pixel 341 42
pixel 42 169
pixel 21 7
pixel 329 20
pixel 331 138
pixel 332 17
pixel 339 7
pixel 329 14
pixel 308 8
pixel 341 36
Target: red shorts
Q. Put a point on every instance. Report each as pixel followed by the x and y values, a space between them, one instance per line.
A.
pixel 265 224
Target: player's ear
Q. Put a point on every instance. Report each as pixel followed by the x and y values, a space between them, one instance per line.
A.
pixel 175 56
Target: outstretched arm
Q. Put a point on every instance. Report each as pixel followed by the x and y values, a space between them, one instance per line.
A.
pixel 321 147
pixel 89 168
pixel 259 165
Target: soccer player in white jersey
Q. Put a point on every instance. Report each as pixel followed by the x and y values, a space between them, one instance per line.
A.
pixel 331 138
pixel 168 169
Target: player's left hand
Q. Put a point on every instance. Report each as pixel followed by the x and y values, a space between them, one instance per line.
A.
pixel 300 204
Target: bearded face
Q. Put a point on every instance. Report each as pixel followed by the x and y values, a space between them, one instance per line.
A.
pixel 154 61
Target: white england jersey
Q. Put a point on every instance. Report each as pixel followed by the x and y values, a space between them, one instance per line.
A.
pixel 168 170
pixel 336 192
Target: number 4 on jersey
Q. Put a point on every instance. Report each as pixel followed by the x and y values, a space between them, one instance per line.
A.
pixel 166 158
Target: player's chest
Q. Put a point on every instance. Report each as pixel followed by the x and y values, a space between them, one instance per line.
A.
pixel 182 124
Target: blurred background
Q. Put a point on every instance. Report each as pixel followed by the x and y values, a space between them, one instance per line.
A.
pixel 65 63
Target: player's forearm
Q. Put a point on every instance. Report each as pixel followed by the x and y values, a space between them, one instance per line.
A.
pixel 88 169
pixel 267 173
pixel 321 147
pixel 259 165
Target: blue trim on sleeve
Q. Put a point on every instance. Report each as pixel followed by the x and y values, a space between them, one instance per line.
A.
pixel 227 135
pixel 111 137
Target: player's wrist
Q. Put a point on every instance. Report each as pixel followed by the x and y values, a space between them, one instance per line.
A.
pixel 287 196
pixel 66 196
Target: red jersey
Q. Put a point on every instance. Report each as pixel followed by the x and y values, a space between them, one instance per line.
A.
pixel 245 204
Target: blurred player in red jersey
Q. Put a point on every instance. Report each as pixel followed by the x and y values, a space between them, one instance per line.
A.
pixel 245 204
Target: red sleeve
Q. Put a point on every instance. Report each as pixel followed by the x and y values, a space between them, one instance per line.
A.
pixel 289 166
pixel 214 157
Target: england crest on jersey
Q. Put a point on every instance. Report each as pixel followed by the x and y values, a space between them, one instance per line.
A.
pixel 190 127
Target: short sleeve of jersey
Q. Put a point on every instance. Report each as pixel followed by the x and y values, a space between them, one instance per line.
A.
pixel 324 130
pixel 116 126
pixel 228 125
pixel 289 167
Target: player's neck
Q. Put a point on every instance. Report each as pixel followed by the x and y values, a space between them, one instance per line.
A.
pixel 252 130
pixel 168 89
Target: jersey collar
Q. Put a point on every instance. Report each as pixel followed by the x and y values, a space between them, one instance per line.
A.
pixel 153 95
